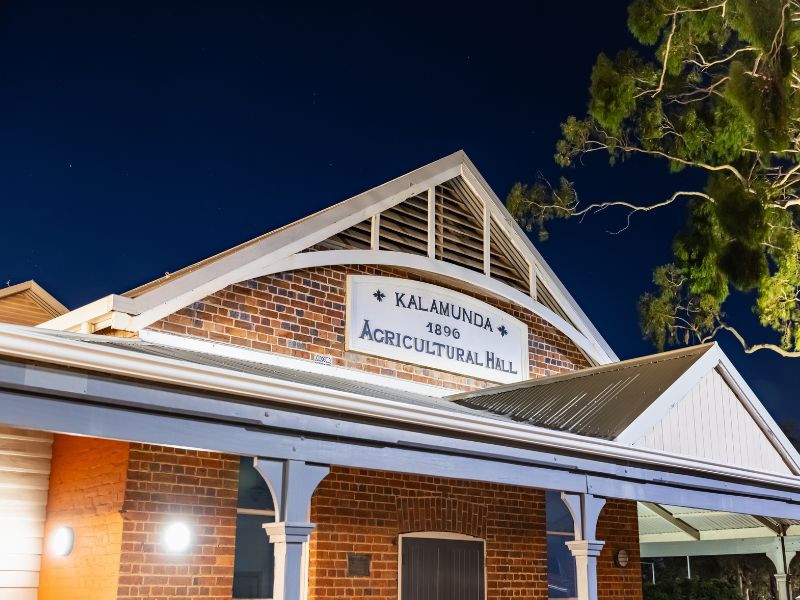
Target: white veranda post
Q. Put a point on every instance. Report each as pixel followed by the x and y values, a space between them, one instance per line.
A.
pixel 585 510
pixel 292 483
pixel 781 559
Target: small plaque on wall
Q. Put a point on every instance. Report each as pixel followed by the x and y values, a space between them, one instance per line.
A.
pixel 358 564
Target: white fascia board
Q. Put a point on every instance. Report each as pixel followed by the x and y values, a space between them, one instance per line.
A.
pixel 30 343
pixel 173 295
pixel 289 362
pixel 672 395
pixel 673 536
pixel 449 271
pixel 91 313
pixel 735 534
pixel 549 279
pixel 256 259
pixel 294 238
pixel 756 545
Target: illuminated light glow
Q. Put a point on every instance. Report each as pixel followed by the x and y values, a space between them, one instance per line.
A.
pixel 177 537
pixel 61 541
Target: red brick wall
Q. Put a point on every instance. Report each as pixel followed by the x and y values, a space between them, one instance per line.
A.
pixel 365 511
pixel 619 527
pixel 118 497
pixel 166 484
pixel 302 313
pixel 87 486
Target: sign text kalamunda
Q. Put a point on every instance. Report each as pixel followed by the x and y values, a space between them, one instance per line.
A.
pixel 433 326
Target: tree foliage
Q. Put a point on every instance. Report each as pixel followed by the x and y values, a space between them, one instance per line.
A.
pixel 692 589
pixel 713 87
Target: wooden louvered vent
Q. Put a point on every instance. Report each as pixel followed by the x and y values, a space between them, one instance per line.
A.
pixel 506 262
pixel 544 296
pixel 404 228
pixel 459 226
pixel 356 237
pixel 458 236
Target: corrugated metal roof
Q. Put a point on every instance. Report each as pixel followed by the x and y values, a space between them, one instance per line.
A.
pixel 271 371
pixel 599 402
pixel 703 521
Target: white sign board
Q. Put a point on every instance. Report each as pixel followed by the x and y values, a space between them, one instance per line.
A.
pixel 431 326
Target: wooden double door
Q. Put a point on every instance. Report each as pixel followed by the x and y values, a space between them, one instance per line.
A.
pixel 442 569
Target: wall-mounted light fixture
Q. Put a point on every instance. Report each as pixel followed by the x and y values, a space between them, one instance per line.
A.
pixel 621 558
pixel 61 541
pixel 177 537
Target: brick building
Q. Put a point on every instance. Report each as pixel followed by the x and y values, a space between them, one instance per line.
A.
pixel 394 398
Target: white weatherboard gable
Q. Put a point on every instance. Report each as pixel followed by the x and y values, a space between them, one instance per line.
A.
pixel 710 413
pixel 711 422
pixel 260 257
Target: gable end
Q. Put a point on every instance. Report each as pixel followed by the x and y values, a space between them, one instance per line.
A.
pixel 711 422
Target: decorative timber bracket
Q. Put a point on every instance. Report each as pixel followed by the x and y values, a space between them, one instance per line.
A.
pixel 291 483
pixel 585 510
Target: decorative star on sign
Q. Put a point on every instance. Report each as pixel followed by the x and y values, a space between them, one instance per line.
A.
pixel 503 331
pixel 379 295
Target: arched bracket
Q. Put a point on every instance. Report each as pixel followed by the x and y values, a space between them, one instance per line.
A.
pixel 585 510
pixel 291 483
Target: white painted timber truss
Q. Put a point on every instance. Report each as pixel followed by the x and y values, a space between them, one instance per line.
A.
pixel 292 247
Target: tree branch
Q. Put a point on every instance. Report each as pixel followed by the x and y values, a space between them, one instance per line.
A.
pixel 665 60
pixel 751 349
pixel 600 206
pixel 683 161
pixel 704 64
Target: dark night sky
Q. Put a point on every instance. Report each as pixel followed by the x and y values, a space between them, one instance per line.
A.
pixel 139 137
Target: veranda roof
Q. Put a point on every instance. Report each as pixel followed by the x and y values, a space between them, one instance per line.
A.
pixel 598 402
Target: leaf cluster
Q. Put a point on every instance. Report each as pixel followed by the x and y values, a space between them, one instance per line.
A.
pixel 713 86
pixel 692 589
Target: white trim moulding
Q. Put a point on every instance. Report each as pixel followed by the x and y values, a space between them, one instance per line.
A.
pixel 30 343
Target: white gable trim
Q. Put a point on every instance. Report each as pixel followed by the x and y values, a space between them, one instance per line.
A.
pixel 759 412
pixel 671 396
pixel 297 237
pixel 259 258
pixel 714 358
pixel 68 350
pixel 456 273
pixel 542 270
pixel 91 314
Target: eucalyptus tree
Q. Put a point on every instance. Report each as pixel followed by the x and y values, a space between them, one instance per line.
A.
pixel 712 87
